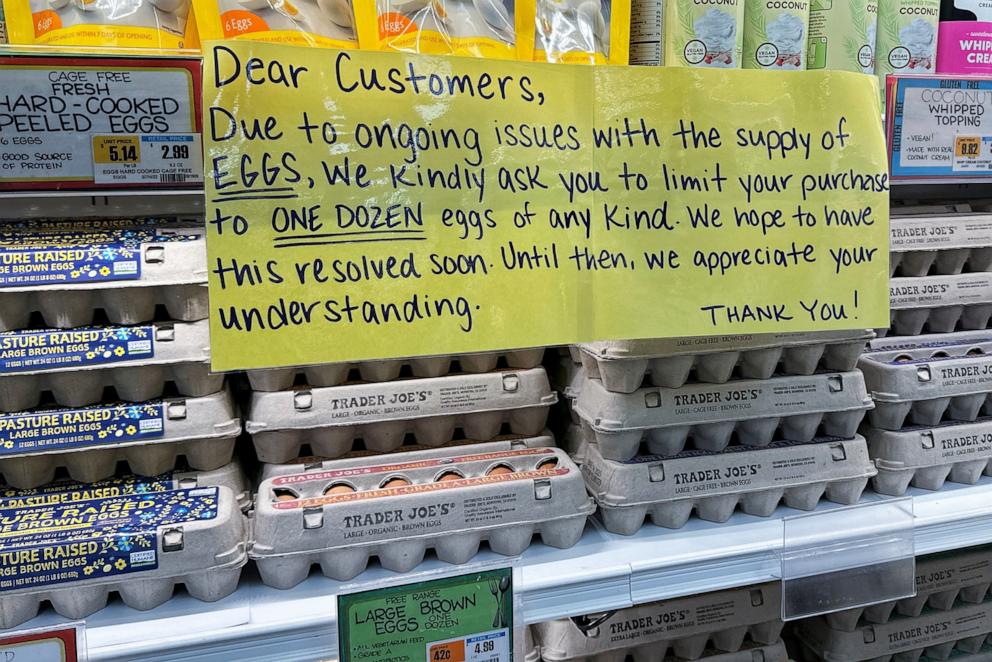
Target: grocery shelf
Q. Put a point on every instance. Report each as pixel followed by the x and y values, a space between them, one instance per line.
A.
pixel 19 205
pixel 604 571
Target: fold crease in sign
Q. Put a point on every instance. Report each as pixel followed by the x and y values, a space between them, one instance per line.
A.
pixel 368 205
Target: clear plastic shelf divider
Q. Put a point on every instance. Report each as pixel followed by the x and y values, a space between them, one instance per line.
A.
pixel 847 557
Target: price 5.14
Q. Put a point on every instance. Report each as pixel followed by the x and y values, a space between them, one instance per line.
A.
pixel 175 152
pixel 487 646
pixel 122 153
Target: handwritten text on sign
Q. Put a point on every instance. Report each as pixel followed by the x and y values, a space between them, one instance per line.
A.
pixel 375 205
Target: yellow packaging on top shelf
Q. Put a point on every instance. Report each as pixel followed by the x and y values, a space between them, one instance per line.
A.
pixel 163 25
pixel 322 23
pixel 475 28
pixel 581 31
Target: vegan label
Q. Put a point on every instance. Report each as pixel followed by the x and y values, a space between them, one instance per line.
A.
pixel 24 351
pixel 468 618
pixel 95 539
pixel 52 429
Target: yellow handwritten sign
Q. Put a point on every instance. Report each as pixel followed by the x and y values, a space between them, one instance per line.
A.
pixel 373 205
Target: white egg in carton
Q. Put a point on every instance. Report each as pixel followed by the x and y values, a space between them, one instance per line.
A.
pixel 193 537
pixel 623 364
pixel 715 483
pixel 335 374
pixel 65 491
pixel 76 365
pixel 159 265
pixel 947 243
pixel 683 626
pixel 756 410
pixel 964 627
pixel 396 507
pixel 926 378
pixel 330 419
pixel 940 304
pixel 90 441
pixel 941 581
pixel 927 456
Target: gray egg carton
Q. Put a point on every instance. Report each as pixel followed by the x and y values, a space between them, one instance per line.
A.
pixel 499 443
pixel 941 581
pixel 757 410
pixel 65 491
pixel 935 633
pixel 984 654
pixel 180 354
pixel 922 382
pixel 947 243
pixel 204 554
pixel 399 523
pixel 203 430
pixel 683 626
pixel 927 456
pixel 623 364
pixel 749 652
pixel 173 274
pixel 940 304
pixel 715 483
pixel 331 418
pixel 335 374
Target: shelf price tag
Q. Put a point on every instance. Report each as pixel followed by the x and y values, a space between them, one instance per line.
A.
pixel 174 158
pixel 466 618
pixel 940 128
pixel 63 643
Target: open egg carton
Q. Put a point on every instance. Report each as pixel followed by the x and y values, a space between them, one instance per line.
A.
pixel 66 491
pixel 623 365
pixel 942 580
pixel 727 621
pixel 66 272
pixel 934 633
pixel 941 240
pixel 757 411
pixel 920 381
pixel 926 456
pixel 335 374
pixel 940 304
pixel 715 483
pixel 330 419
pixel 76 365
pixel 90 441
pixel 195 537
pixel 396 507
pixel 500 442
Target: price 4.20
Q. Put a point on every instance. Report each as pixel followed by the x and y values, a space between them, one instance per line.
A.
pixel 175 152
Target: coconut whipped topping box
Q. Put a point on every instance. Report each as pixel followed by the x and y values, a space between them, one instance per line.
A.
pixel 964 37
pixel 842 35
pixel 704 33
pixel 907 38
pixel 776 33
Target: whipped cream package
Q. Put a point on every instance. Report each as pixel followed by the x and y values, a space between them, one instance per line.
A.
pixel 581 31
pixel 321 23
pixel 165 25
pixel 776 34
pixel 476 28
pixel 842 35
pixel 703 33
pixel 964 37
pixel 907 38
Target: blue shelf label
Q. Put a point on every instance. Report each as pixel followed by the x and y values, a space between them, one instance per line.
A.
pixel 25 351
pixel 54 429
pixel 67 491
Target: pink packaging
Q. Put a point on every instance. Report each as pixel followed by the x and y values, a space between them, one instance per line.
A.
pixel 964 47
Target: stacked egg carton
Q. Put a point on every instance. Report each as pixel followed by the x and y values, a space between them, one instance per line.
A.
pixel 930 423
pixel 57 357
pixel 734 625
pixel 389 459
pixel 950 617
pixel 713 423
